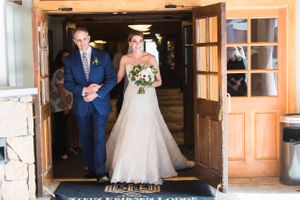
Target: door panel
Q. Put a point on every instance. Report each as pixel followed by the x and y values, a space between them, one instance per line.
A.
pixel 236 133
pixel 210 94
pixel 265 139
pixel 254 119
pixel 42 101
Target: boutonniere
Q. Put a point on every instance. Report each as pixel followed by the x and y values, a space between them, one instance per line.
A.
pixel 95 60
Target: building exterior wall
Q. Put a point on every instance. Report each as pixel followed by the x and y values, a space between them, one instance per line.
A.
pixel 16 45
pixel 16 115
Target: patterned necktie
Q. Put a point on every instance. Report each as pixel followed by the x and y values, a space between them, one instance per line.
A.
pixel 85 65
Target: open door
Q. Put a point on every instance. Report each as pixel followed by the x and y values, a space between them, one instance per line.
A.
pixel 42 108
pixel 209 34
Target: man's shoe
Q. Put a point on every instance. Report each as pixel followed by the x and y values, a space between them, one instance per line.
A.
pixel 102 178
pixel 90 175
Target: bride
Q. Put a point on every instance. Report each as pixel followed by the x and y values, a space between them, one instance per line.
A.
pixel 141 148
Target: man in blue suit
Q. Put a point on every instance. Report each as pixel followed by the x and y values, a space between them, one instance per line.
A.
pixel 90 76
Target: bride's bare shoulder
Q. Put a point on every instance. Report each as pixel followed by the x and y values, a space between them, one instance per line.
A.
pixel 126 56
pixel 149 56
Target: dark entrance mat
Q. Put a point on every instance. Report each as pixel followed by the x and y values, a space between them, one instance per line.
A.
pixel 187 190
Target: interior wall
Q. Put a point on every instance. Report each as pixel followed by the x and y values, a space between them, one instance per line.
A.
pixel 56 26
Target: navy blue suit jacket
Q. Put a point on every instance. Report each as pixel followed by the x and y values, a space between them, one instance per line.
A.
pixel 103 73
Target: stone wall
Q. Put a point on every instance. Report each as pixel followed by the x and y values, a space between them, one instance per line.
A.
pixel 17 174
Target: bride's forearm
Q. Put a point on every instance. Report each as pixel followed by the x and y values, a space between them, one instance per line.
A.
pixel 119 79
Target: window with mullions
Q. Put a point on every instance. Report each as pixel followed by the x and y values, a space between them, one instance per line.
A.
pixel 252 57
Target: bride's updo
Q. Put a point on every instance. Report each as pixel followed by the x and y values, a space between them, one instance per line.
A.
pixel 134 33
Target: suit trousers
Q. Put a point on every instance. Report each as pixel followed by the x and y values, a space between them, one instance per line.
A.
pixel 92 139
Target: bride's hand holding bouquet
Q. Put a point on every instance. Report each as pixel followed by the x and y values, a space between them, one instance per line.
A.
pixel 144 76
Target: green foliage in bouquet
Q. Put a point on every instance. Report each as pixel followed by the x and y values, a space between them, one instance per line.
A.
pixel 143 75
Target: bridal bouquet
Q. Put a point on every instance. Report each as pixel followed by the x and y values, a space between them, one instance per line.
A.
pixel 143 75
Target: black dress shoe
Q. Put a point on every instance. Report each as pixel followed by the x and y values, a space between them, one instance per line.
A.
pixel 101 178
pixel 90 175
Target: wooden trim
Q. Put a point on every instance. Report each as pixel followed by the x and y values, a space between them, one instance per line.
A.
pixel 254 13
pixel 288 70
pixel 37 111
pixel 289 39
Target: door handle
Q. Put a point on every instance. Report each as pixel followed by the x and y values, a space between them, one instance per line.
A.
pixel 228 103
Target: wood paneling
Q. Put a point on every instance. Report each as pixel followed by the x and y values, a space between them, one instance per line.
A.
pixel 203 147
pixel 216 139
pixel 236 135
pixel 266 135
pixel 109 6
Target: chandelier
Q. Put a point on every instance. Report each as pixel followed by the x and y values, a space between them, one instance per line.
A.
pixel 140 27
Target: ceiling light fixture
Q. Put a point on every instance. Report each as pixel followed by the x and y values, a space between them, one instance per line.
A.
pixel 100 41
pixel 140 27
pixel 148 40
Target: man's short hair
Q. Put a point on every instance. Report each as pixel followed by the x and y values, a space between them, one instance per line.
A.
pixel 83 29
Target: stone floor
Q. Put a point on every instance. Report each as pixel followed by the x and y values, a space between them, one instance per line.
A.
pixel 265 188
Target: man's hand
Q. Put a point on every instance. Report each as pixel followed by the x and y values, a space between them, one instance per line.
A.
pixel 90 97
pixel 66 109
pixel 91 89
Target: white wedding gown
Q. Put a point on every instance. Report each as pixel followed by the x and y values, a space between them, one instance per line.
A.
pixel 141 148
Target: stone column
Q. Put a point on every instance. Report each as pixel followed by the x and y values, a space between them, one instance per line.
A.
pixel 17 173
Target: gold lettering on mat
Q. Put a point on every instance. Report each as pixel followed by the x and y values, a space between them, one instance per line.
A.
pixel 131 187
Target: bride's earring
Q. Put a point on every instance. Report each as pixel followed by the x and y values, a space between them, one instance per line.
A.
pixel 129 49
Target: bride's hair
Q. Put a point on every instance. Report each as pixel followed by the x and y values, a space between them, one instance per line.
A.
pixel 133 33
